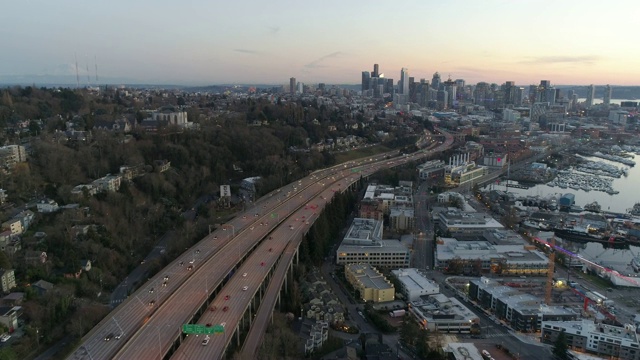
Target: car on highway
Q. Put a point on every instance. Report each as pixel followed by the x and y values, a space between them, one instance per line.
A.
pixel 256 215
pixel 270 249
pixel 118 336
pixel 290 227
pixel 208 325
pixel 166 278
pixel 164 284
pixel 151 291
pixel 190 267
pixel 262 263
pixel 181 263
pixel 192 261
pixel 226 297
pixel 213 308
pixel 223 324
pixel 108 337
pixel 152 303
pixel 225 309
pixel 197 251
pixel 205 341
pixel 245 288
pixel 244 275
pixel 244 216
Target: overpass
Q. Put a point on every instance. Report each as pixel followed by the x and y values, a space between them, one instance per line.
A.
pixel 228 276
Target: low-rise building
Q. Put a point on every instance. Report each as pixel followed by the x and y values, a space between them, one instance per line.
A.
pixel 440 313
pixel 370 283
pixel 523 312
pixel 109 183
pixel 363 243
pixel 47 206
pixel 9 316
pixel 7 279
pixel 464 225
pixel 475 257
pixel 14 226
pixel 602 339
pixel 462 351
pixel 42 286
pixel 432 170
pixel 401 219
pixel 315 335
pixel 414 284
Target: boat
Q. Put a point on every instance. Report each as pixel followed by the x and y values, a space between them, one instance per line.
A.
pixel 582 235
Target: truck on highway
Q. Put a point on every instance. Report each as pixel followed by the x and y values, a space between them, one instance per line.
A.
pixel 397 313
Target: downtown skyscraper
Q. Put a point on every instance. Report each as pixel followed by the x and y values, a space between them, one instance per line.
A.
pixel 404 82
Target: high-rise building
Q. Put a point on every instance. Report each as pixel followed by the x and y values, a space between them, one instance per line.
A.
pixel 509 92
pixel 591 93
pixel 606 98
pixel 450 88
pixel 366 78
pixel 292 85
pixel 389 87
pixel 404 82
pixel 376 71
pixel 435 81
pixel 412 90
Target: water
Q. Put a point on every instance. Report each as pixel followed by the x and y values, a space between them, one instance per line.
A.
pixel 628 186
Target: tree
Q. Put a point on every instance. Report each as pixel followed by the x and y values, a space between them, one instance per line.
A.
pixel 560 347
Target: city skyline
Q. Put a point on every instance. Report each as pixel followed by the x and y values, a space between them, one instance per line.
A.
pixel 199 43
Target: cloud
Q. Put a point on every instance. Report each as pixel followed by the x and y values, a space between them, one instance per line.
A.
pixel 318 62
pixel 246 51
pixel 584 59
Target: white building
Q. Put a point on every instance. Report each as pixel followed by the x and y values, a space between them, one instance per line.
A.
pixel 440 313
pixel 414 284
pixel 587 336
pixel 109 183
pixel 363 244
pixel 47 206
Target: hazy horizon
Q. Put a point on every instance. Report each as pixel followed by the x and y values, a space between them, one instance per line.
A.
pixel 207 43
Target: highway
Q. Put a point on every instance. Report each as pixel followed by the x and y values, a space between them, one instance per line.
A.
pixel 148 323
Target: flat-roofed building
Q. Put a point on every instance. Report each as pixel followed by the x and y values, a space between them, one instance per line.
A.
pixel 474 257
pixel 523 312
pixel 413 284
pixel 370 283
pixel 462 351
pixel 363 243
pixel 440 313
pixel 586 336
pixel 464 225
pixel 402 219
pixel 432 170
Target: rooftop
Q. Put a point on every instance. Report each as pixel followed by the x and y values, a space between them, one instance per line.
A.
pixel 414 280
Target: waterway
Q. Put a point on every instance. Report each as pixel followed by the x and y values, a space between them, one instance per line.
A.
pixel 629 188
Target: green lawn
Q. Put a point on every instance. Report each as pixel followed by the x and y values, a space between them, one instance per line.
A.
pixel 360 153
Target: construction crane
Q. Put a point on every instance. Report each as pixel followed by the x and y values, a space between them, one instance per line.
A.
pixel 550 270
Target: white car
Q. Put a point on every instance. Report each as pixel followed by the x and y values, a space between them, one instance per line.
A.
pixel 245 288
pixel 206 341
pixel 244 275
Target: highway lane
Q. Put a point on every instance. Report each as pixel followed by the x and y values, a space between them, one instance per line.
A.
pixel 194 291
pixel 238 300
pixel 132 313
pixel 184 308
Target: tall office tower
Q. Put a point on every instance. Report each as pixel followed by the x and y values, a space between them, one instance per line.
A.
pixel 545 84
pixel 388 88
pixel 450 87
pixel 443 99
pixel 435 81
pixel 376 72
pixel 412 90
pixel 533 91
pixel 424 93
pixel 606 98
pixel 459 89
pixel 481 93
pixel 300 87
pixel 366 78
pixel 519 96
pixel 374 86
pixel 591 94
pixel 292 85
pixel 509 92
pixel 404 82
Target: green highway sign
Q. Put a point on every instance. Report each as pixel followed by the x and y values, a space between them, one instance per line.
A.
pixel 201 329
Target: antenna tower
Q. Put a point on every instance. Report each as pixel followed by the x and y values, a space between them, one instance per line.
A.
pixel 77 75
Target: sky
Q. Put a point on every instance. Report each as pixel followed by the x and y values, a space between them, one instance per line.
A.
pixel 200 42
